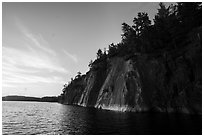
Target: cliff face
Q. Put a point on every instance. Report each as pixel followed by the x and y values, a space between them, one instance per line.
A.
pixel 94 82
pixel 168 81
pixel 122 88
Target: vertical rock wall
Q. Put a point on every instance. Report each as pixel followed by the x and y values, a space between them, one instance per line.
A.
pixel 122 88
pixel 168 81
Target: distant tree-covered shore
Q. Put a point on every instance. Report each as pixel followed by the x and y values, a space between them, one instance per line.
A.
pixel 25 98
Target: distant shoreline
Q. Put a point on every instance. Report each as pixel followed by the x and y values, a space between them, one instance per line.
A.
pixel 30 99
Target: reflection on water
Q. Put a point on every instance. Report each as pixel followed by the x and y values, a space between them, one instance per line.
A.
pixel 54 118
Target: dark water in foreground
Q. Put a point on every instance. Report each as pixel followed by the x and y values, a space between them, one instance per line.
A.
pixel 53 118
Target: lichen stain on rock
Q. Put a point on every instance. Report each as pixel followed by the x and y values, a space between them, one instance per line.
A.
pixel 122 88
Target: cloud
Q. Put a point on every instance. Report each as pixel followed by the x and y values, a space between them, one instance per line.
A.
pixel 14 78
pixel 31 62
pixel 71 56
pixel 15 57
pixel 40 43
pixel 37 40
pixel 4 84
pixel 23 66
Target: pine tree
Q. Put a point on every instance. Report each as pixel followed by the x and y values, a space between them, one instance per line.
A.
pixel 141 23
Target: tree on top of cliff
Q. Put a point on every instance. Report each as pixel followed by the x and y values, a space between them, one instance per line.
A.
pixel 128 33
pixel 78 74
pixel 99 54
pixel 112 50
pixel 90 63
pixel 166 32
pixel 141 23
pixel 164 23
pixel 162 14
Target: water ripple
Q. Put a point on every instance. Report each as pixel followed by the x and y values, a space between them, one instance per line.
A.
pixel 37 118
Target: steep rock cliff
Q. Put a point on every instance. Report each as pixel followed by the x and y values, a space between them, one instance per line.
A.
pixel 122 88
pixel 94 81
pixel 166 81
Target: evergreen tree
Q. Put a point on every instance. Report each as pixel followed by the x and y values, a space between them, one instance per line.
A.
pixel 90 63
pixel 112 50
pixel 162 15
pixel 99 54
pixel 128 35
pixel 78 73
pixel 141 23
pixel 162 25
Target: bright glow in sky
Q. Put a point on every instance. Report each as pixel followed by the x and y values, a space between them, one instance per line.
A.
pixel 45 44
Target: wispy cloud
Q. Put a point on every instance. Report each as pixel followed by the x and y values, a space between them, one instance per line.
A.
pixel 40 43
pixel 26 58
pixel 14 78
pixel 23 66
pixel 36 40
pixel 71 56
pixel 35 62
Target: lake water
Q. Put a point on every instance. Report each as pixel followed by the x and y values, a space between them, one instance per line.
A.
pixel 53 118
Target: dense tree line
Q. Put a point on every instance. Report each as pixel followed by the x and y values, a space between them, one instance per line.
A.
pixel 24 98
pixel 168 31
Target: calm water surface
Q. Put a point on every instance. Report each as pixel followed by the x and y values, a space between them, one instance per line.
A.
pixel 53 118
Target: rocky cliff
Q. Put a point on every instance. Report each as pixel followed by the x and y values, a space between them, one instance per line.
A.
pixel 169 81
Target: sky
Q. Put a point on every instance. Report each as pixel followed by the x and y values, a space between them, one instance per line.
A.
pixel 44 45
